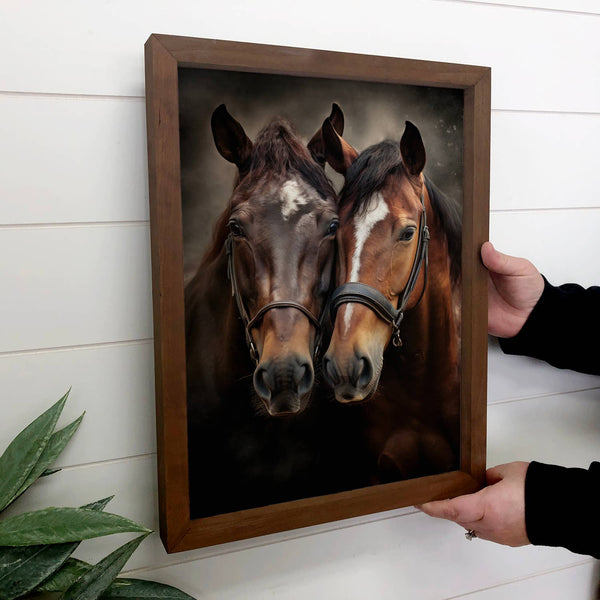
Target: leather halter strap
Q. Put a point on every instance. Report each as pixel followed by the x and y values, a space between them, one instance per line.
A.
pixel 361 293
pixel 250 323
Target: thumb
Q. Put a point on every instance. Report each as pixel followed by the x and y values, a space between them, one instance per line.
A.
pixel 463 509
pixel 502 264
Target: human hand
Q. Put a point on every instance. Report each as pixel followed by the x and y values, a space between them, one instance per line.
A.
pixel 495 513
pixel 514 287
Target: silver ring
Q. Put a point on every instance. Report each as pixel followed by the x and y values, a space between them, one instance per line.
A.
pixel 470 534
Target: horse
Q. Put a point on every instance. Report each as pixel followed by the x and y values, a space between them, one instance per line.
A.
pixel 253 319
pixel 395 345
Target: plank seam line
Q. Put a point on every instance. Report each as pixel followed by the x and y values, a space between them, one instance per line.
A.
pixel 560 209
pixel 250 545
pixel 544 395
pixel 72 96
pixel 524 7
pixel 587 113
pixel 142 98
pixel 74 347
pixel 74 224
pixel 524 578
pixel 102 463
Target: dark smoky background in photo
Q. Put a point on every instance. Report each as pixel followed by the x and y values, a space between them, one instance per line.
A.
pixel 373 112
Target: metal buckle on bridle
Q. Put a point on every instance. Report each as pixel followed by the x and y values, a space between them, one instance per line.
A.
pixel 396 339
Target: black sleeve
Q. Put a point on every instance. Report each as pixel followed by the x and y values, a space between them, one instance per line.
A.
pixel 562 507
pixel 563 329
pixel 562 504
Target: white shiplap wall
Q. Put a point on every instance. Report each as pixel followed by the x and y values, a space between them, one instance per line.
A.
pixel 75 305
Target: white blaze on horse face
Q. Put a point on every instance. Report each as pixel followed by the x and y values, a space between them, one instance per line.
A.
pixel 294 194
pixel 363 225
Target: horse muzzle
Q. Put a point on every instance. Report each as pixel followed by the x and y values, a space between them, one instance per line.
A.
pixel 353 380
pixel 284 385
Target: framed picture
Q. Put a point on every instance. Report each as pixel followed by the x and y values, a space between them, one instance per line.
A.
pixel 320 309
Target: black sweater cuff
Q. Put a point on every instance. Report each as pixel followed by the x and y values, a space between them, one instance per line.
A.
pixel 563 329
pixel 562 507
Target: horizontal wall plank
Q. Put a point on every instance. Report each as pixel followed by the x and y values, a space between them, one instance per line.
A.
pixel 89 160
pixel 514 377
pixel 560 429
pixel 114 385
pixel 544 160
pixel 579 582
pixel 409 557
pixel 562 244
pixel 423 557
pixel 101 50
pixel 66 286
pixel 72 159
pixel 583 6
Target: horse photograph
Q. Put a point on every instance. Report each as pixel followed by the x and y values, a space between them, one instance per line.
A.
pixel 322 274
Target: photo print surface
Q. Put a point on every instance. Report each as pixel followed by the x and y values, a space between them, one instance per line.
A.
pixel 322 251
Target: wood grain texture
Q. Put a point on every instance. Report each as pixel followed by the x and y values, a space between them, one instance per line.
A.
pixel 164 54
pixel 162 110
pixel 474 277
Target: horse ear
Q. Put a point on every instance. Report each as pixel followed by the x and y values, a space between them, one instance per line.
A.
pixel 316 146
pixel 412 149
pixel 230 139
pixel 338 152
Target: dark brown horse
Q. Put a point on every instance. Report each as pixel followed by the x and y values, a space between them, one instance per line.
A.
pixel 253 321
pixel 399 272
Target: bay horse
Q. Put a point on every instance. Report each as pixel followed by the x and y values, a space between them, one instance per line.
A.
pixel 253 322
pixel 395 346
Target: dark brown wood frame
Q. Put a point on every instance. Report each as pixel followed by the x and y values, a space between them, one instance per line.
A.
pixel 164 55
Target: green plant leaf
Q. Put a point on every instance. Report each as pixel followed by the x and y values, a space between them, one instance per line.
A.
pixel 59 525
pixel 50 472
pixel 73 569
pixel 56 444
pixel 148 590
pixel 95 582
pixel 69 573
pixel 25 567
pixel 24 451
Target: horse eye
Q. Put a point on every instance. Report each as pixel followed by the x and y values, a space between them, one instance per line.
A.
pixel 333 227
pixel 235 228
pixel 407 234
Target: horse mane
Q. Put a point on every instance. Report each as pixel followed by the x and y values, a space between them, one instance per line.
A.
pixel 368 174
pixel 278 151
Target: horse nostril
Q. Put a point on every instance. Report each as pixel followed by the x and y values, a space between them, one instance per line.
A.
pixel 261 384
pixel 303 377
pixel 362 372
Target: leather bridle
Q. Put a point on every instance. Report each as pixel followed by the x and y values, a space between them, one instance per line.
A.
pixel 361 293
pixel 249 323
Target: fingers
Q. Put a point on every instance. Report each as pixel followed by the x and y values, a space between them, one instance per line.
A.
pixel 495 474
pixel 463 509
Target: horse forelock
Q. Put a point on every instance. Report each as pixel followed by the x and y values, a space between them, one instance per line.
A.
pixel 279 158
pixel 368 175
pixel 280 151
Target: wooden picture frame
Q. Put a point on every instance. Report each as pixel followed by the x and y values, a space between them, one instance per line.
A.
pixel 164 56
